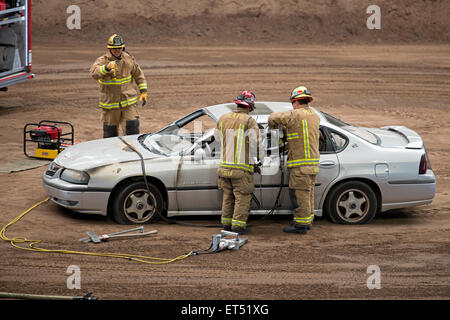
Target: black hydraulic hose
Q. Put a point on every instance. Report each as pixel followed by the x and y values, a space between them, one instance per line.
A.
pixel 263 219
pixel 270 213
pixel 148 189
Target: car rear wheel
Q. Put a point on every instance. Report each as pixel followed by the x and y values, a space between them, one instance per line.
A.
pixel 352 202
pixel 134 204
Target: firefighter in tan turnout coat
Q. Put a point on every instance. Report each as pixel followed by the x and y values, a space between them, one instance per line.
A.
pixel 240 144
pixel 116 73
pixel 301 126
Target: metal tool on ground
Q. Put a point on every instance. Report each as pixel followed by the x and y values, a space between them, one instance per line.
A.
pixel 220 242
pixel 116 235
pixel 25 296
pixel 33 245
pixel 48 137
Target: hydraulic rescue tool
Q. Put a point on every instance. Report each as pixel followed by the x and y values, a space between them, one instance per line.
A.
pixel 49 137
pixel 115 235
pixel 220 242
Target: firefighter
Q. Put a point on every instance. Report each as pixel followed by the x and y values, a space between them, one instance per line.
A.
pixel 301 126
pixel 240 143
pixel 116 71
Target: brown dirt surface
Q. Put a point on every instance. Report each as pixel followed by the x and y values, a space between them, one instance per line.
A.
pixel 252 21
pixel 365 84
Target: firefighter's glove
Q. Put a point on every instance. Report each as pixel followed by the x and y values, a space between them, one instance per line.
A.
pixel 257 168
pixel 143 98
pixel 112 67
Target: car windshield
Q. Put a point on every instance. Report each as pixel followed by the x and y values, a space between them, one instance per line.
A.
pixel 181 135
pixel 358 131
pixel 166 144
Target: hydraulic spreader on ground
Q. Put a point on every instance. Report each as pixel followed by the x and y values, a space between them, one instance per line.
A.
pixel 48 138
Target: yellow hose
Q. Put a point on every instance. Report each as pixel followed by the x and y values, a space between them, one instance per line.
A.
pixel 32 245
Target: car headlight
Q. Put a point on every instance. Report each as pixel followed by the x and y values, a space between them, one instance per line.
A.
pixel 74 176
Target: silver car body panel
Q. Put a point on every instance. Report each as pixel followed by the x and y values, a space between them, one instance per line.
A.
pixel 191 187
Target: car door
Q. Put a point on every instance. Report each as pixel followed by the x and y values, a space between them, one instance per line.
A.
pixel 329 162
pixel 197 180
pixel 328 171
pixel 196 183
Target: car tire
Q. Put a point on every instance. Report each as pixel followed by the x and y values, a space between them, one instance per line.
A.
pixel 352 202
pixel 133 204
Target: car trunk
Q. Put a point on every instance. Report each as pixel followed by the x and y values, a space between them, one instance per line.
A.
pixel 397 137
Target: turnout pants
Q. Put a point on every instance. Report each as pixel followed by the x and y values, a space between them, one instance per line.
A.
pixel 301 191
pixel 237 197
pixel 127 118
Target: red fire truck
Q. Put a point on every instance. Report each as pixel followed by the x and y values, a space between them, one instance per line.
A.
pixel 15 42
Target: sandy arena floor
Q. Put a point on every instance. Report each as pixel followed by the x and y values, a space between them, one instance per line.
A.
pixel 373 86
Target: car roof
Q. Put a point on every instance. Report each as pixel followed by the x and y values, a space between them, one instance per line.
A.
pixel 261 113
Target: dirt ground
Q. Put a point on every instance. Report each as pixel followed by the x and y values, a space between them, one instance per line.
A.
pixel 367 85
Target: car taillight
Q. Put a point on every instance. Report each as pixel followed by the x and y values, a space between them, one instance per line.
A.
pixel 423 164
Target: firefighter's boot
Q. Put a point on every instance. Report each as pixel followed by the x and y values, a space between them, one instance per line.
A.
pixel 240 231
pixel 295 228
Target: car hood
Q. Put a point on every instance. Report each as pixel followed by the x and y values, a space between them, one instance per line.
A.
pixel 97 153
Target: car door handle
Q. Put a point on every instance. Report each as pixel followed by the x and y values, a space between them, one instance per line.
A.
pixel 327 163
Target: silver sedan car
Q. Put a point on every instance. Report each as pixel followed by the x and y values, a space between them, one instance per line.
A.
pixel 362 171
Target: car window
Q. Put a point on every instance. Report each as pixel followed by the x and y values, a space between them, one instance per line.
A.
pixel 166 144
pixel 338 141
pixel 322 141
pixel 334 121
pixel 325 146
pixel 211 146
pixel 358 131
pixel 208 143
pixel 179 136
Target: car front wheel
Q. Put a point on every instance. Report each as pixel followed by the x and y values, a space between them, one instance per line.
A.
pixel 352 202
pixel 134 204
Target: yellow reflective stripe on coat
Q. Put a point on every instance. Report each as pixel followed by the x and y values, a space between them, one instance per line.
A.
pixel 142 86
pixel 236 166
pixel 221 135
pixel 306 138
pixel 115 81
pixel 124 103
pixel 302 162
pixel 240 138
pixel 103 70
pixel 239 223
pixel 291 136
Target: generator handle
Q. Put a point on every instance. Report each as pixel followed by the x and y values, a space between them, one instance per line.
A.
pixel 25 139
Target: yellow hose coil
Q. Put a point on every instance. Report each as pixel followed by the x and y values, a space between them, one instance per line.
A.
pixel 32 245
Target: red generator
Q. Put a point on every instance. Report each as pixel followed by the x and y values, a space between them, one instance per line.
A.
pixel 48 138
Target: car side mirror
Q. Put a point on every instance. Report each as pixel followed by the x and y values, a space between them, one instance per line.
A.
pixel 199 155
